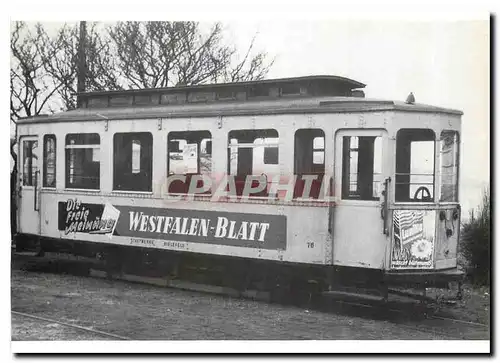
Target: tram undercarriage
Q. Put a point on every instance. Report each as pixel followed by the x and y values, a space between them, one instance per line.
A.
pixel 298 281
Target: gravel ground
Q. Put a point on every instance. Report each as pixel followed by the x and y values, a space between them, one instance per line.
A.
pixel 143 312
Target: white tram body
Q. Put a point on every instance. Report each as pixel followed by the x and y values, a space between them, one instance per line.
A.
pixel 99 175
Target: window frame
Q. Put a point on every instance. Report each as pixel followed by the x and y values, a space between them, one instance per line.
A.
pixel 45 166
pixel 287 86
pixel 252 145
pixel 258 91
pixel 457 175
pixel 316 169
pixel 267 156
pixel 312 150
pixel 345 192
pixel 148 169
pixel 433 190
pixel 178 135
pixel 269 133
pixel 230 95
pixel 68 147
pixel 34 182
pixel 198 150
pixel 321 149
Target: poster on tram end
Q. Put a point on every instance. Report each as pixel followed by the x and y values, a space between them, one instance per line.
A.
pixel 413 235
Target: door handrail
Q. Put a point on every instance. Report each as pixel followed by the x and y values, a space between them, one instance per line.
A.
pixel 35 194
pixel 384 211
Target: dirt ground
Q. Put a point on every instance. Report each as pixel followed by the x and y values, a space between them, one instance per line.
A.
pixel 143 312
pixel 474 306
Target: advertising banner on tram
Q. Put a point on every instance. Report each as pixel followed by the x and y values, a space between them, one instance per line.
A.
pixel 75 216
pixel 263 231
pixel 413 239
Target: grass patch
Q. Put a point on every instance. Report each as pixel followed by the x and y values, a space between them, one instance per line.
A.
pixel 476 242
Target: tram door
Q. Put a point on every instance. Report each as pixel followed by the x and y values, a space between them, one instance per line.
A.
pixel 358 233
pixel 28 220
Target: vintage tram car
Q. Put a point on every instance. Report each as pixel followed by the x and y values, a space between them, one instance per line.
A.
pixel 297 177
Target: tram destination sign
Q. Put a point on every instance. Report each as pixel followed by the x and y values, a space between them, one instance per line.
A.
pixel 262 231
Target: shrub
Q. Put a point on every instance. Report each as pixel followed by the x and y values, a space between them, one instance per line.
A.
pixel 475 242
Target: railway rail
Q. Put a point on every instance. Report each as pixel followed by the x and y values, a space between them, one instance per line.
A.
pixel 416 319
pixel 112 336
pixel 73 326
pixel 422 326
pixel 415 316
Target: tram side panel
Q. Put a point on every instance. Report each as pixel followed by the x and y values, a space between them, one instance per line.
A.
pixel 309 243
pixel 299 234
pixel 256 231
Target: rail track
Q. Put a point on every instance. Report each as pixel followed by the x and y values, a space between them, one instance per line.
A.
pixel 430 330
pixel 415 316
pixel 73 326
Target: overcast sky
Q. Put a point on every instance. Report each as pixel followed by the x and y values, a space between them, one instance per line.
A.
pixel 444 63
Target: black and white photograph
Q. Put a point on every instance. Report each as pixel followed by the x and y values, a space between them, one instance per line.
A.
pixel 250 184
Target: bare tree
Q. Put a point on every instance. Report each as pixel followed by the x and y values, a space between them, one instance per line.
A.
pixel 164 54
pixel 145 51
pixel 250 68
pixel 30 86
pixel 29 90
pixel 59 55
pixel 44 68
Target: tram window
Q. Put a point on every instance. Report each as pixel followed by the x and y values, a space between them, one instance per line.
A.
pixel 82 161
pixel 189 153
pixel 415 149
pixel 133 161
pixel 319 151
pixel 309 159
pixel 290 89
pixel 449 165
pixel 30 162
pixel 271 156
pixel 136 156
pixel 49 161
pixel 259 91
pixel 225 95
pixel 361 167
pixel 246 156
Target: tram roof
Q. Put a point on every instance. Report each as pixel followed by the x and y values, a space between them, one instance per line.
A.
pixel 343 82
pixel 263 107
